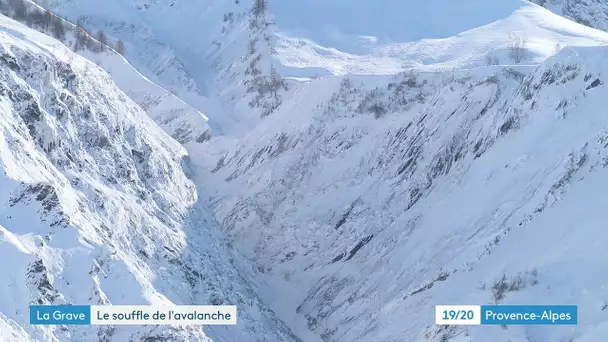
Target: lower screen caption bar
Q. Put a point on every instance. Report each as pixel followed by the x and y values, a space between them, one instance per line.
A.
pixel 505 314
pixel 133 314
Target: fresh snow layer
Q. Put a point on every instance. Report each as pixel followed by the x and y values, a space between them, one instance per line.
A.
pixel 348 26
pixel 184 46
pixel 362 201
pixel 592 13
pixel 384 37
pixel 197 49
pixel 464 177
pixel 182 121
pixel 96 207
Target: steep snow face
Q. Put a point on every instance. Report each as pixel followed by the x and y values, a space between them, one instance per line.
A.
pixel 593 13
pixel 198 50
pixel 366 200
pixel 95 207
pixel 396 194
pixel 128 20
pixel 183 122
pixel 173 40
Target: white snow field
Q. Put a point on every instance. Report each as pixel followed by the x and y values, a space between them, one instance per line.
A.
pixel 96 208
pixel 385 37
pixel 317 37
pixel 366 200
pixel 182 121
pixel 365 224
pixel 411 161
pixel 186 47
pixel 199 49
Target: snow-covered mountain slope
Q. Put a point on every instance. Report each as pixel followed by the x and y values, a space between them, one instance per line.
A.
pixel 315 37
pixel 216 71
pixel 593 13
pixel 96 208
pixel 128 20
pixel 396 194
pixel 182 121
pixel 187 47
pixel 388 36
pixel 365 200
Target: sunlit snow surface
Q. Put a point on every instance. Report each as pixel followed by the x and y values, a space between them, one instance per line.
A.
pixel 186 45
pixel 485 174
pixel 387 36
pixel 358 225
pixel 96 206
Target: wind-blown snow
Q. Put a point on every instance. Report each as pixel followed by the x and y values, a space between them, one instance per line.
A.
pixel 185 46
pixel 347 26
pixel 317 38
pixel 182 121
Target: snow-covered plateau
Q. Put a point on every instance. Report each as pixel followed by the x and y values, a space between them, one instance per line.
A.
pixel 366 162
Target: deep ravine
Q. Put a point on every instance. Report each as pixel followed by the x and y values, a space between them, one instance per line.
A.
pixel 347 185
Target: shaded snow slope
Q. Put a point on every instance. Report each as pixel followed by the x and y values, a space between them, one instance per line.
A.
pixel 314 38
pixel 182 121
pixel 95 207
pixel 188 47
pixel 127 20
pixel 593 13
pixel 390 195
